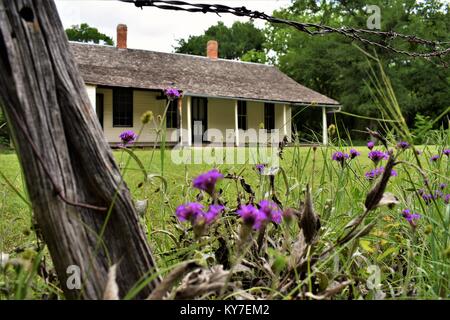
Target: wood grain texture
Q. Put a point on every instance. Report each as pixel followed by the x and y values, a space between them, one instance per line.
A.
pixel 45 101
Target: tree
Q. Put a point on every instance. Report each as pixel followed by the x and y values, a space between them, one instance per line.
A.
pixel 334 67
pixel 85 33
pixel 80 201
pixel 234 42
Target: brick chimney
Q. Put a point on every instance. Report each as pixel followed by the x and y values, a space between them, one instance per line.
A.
pixel 212 49
pixel 122 36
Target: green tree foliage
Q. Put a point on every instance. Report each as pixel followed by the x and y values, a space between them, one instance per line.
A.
pixel 85 33
pixel 333 66
pixel 234 42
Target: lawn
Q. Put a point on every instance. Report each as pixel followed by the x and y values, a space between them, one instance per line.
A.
pixel 409 262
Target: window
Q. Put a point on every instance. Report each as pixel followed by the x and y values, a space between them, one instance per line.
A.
pixel 242 115
pixel 99 107
pixel 269 116
pixel 172 114
pixel 122 107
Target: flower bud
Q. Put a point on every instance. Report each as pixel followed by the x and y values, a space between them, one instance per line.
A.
pixel 147 117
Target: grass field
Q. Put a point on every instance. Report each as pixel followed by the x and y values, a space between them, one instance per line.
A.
pixel 409 262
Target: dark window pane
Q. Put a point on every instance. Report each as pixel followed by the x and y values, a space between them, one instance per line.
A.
pixel 172 115
pixel 242 115
pixel 99 109
pixel 122 107
pixel 269 116
pixel 199 118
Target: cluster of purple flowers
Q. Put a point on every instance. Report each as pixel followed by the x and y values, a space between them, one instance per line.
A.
pixel 128 137
pixel 434 158
pixel 403 145
pixel 376 156
pixel 193 212
pixel 172 93
pixel 207 181
pixel 354 153
pixel 410 217
pixel 375 173
pixel 446 152
pixel 340 156
pixel 256 218
pixel 437 194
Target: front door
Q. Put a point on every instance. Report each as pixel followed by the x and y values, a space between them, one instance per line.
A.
pixel 199 113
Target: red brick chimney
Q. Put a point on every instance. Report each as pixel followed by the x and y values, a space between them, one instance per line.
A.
pixel 212 49
pixel 122 36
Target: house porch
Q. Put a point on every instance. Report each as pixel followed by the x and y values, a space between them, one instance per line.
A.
pixel 191 120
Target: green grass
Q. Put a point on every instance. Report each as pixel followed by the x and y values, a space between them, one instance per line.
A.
pixel 414 261
pixel 16 215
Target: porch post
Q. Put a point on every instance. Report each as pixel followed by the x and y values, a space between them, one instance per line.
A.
pixel 92 94
pixel 236 123
pixel 284 121
pixel 180 120
pixel 189 124
pixel 324 126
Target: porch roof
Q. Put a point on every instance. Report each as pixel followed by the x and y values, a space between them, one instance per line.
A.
pixel 194 75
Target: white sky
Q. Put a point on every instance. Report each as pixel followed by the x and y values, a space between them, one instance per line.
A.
pixel 152 28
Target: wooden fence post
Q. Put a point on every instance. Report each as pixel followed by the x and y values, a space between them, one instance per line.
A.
pixel 68 166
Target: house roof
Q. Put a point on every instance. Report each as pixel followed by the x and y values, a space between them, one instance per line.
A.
pixel 194 75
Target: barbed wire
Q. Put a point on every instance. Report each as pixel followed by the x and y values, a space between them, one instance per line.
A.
pixel 439 48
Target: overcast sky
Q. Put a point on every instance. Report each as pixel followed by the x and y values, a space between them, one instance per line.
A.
pixel 152 28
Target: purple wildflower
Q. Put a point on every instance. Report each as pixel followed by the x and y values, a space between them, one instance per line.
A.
pixel 250 216
pixel 370 145
pixel 402 145
pixel 270 211
pixel 410 216
pixel 128 137
pixel 354 153
pixel 213 212
pixel 428 198
pixel 442 186
pixel 447 198
pixel 207 181
pixel 438 194
pixel 418 152
pixel 260 168
pixel 446 152
pixel 376 156
pixel 340 157
pixel 189 212
pixel 434 158
pixel 372 174
pixel 375 173
pixel 172 93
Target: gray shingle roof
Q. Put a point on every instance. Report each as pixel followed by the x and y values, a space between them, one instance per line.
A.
pixel 195 75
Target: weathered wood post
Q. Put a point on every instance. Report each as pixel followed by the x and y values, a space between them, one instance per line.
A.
pixel 69 168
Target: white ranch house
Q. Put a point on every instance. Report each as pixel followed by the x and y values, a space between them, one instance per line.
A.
pixel 229 96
